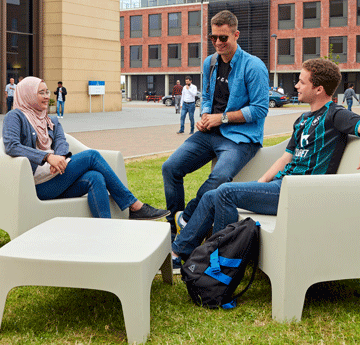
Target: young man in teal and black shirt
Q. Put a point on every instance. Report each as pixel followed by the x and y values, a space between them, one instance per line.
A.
pixel 316 147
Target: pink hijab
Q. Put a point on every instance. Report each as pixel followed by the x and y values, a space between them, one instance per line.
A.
pixel 26 100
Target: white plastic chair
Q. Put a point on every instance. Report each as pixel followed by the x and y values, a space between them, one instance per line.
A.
pixel 315 236
pixel 20 208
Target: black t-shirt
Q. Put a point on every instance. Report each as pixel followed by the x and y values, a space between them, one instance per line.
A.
pixel 222 93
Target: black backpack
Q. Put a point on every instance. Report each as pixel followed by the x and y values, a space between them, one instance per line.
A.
pixel 214 270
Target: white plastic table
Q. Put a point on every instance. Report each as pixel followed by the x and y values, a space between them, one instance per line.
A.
pixel 120 256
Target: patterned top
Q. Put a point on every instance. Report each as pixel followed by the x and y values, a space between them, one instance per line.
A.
pixel 177 90
pixel 319 139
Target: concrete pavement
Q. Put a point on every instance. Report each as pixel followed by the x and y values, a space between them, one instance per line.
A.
pixel 150 128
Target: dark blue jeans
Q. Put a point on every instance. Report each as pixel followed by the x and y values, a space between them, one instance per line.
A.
pixel 9 102
pixel 88 173
pixel 195 152
pixel 58 105
pixel 187 108
pixel 349 102
pixel 219 207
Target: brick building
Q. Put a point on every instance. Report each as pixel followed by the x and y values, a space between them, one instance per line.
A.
pixel 160 45
pixel 304 29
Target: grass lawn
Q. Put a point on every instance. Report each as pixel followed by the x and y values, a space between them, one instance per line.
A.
pixel 48 315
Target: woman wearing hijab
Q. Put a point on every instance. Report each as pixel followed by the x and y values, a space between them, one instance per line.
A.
pixel 29 132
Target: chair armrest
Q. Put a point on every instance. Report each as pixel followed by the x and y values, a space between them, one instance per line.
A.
pixel 17 190
pixel 313 208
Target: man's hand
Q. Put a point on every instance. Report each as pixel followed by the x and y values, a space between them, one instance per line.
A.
pixel 200 126
pixel 211 120
pixel 58 163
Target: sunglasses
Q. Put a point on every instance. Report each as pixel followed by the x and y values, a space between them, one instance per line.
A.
pixel 222 38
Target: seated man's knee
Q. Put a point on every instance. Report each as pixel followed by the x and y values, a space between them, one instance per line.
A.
pixel 224 191
pixel 169 168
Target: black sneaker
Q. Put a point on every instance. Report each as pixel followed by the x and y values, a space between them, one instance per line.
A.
pixel 148 212
pixel 180 132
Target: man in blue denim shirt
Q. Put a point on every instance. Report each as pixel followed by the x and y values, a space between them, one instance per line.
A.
pixel 232 124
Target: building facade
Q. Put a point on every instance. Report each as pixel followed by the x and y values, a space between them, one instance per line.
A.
pixel 283 33
pixel 161 40
pixel 160 45
pixel 72 41
pixel 307 29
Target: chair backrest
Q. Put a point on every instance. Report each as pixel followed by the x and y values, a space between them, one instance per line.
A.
pixel 351 157
pixel 75 145
pixel 2 147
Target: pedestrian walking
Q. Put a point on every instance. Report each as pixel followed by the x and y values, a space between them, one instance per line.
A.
pixel 187 104
pixel 9 93
pixel 348 95
pixel 176 93
pixel 60 98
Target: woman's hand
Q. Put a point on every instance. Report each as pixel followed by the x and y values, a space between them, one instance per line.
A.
pixel 58 163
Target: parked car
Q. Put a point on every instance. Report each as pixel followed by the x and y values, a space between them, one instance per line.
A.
pixel 169 100
pixel 277 99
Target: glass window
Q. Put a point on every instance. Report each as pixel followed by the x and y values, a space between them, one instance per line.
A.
pixel 174 24
pixel 357 48
pixel 122 57
pixel 286 51
pixel 285 12
pixel 194 54
pixel 121 27
pixel 358 12
pixel 155 55
pixel 135 56
pixel 21 11
pixel 154 25
pixel 19 40
pixel 338 13
pixel 150 83
pixel 312 14
pixel 309 10
pixel 174 55
pixel 194 23
pixel 286 16
pixel 311 48
pixel 135 26
pixel 339 48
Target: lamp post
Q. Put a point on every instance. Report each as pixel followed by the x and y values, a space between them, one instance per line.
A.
pixel 275 75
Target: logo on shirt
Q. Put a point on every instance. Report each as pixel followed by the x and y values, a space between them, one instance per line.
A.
pixel 301 153
pixel 223 80
pixel 316 121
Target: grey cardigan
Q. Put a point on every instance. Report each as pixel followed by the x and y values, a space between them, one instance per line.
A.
pixel 20 137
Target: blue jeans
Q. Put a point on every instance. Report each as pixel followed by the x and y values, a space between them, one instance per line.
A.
pixel 9 102
pixel 88 173
pixel 219 207
pixel 195 152
pixel 58 104
pixel 187 108
pixel 349 103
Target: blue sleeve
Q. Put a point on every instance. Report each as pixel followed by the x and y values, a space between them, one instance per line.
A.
pixel 206 104
pixel 12 130
pixel 257 84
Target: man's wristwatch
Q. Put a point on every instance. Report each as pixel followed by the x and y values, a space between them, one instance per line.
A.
pixel 224 118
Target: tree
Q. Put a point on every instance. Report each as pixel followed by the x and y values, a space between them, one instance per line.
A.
pixel 330 56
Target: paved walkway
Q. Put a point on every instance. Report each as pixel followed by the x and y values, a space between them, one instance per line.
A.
pixel 150 128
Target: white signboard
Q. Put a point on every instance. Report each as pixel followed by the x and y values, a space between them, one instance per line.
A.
pixel 96 87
